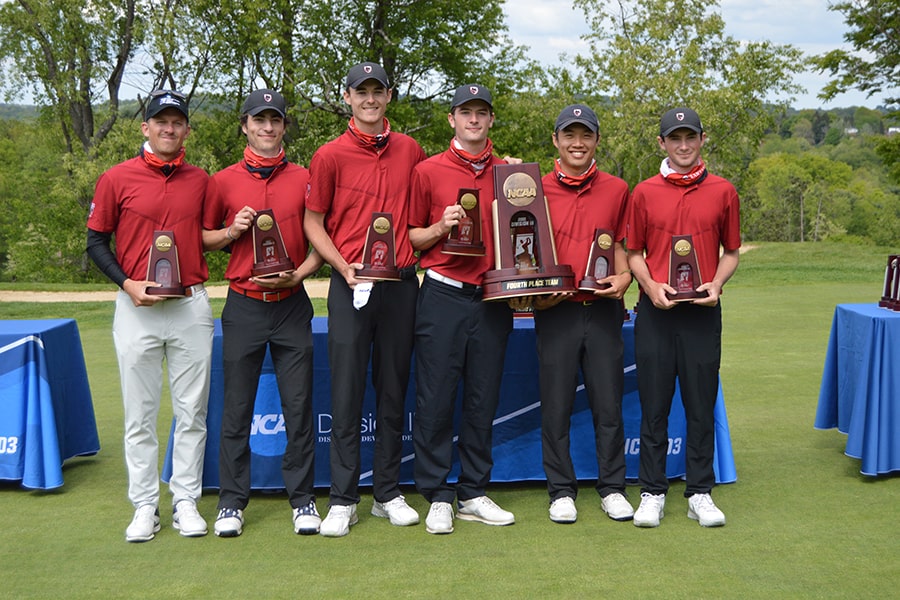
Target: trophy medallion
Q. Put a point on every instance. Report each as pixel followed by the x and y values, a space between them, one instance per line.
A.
pixel 163 266
pixel 524 250
pixel 270 256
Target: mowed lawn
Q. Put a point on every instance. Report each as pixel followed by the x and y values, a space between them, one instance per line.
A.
pixel 802 520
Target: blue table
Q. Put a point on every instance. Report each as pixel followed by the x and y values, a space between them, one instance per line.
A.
pixel 46 413
pixel 517 435
pixel 860 392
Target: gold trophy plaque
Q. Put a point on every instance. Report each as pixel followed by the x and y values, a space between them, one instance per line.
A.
pixel 601 261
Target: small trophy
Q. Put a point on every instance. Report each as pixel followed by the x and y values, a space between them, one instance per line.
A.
pixel 601 262
pixel 524 251
pixel 270 257
pixel 890 288
pixel 163 266
pixel 379 256
pixel 684 272
pixel 465 239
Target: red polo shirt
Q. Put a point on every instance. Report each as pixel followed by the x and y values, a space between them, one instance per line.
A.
pixel 576 212
pixel 349 180
pixel 709 212
pixel 284 192
pixel 435 186
pixel 133 199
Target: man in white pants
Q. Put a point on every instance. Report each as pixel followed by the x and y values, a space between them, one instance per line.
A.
pixel 158 192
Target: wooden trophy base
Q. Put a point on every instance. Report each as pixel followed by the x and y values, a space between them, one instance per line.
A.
pixel 378 274
pixel 459 249
pixel 589 284
pixel 273 269
pixel 166 292
pixel 501 284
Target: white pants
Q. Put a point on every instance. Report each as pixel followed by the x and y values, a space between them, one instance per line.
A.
pixel 179 330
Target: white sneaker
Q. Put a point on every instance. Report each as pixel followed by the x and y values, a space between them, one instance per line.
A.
pixel 338 521
pixel 440 518
pixel 144 525
pixel 397 510
pixel 307 519
pixel 187 520
pixel 617 507
pixel 562 510
pixel 484 510
pixel 650 511
pixel 702 508
pixel 229 522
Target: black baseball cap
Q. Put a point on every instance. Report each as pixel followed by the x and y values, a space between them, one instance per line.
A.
pixel 679 118
pixel 367 70
pixel 577 113
pixel 260 100
pixel 471 91
pixel 160 100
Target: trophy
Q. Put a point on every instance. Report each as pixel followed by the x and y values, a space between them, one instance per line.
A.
pixel 379 257
pixel 895 295
pixel 163 266
pixel 684 273
pixel 465 239
pixel 890 288
pixel 601 262
pixel 524 251
pixel 270 257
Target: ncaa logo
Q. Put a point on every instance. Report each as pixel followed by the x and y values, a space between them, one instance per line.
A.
pixel 267 432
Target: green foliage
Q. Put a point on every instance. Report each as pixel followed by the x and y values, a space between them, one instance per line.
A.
pixel 632 42
pixel 873 63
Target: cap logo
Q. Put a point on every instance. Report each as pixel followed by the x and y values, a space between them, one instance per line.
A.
pixel 474 90
pixel 577 112
pixel 169 100
pixel 679 116
pixel 267 97
pixel 367 68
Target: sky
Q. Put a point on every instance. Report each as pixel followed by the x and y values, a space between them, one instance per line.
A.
pixel 551 27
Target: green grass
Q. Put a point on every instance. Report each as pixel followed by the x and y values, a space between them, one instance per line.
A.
pixel 802 521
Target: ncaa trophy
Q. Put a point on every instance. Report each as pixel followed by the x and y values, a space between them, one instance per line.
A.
pixel 465 239
pixel 163 267
pixel 379 255
pixel 524 250
pixel 270 256
pixel 601 262
pixel 684 272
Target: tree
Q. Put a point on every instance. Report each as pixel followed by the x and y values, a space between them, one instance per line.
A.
pixel 646 62
pixel 70 54
pixel 874 27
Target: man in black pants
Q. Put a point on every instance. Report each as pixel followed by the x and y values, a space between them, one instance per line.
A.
pixel 272 311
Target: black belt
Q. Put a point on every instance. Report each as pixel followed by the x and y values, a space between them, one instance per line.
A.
pixel 408 272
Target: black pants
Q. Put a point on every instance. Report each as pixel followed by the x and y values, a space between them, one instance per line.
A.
pixel 383 331
pixel 686 342
pixel 458 336
pixel 570 336
pixel 248 326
